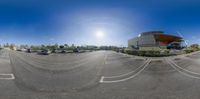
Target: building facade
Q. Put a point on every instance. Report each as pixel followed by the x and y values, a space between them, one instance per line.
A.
pixel 155 40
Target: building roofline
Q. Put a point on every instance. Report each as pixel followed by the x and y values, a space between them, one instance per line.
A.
pixel 170 35
pixel 152 32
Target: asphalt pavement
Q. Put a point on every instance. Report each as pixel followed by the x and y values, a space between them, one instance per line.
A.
pixel 98 75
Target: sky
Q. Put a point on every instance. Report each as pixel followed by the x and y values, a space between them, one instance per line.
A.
pixel 80 21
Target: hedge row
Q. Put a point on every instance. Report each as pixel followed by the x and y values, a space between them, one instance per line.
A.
pixel 149 53
pixel 154 53
pixel 188 51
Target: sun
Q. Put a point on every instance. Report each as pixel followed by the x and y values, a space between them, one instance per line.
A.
pixel 100 34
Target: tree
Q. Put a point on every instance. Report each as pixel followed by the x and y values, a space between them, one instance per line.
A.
pixel 34 48
pixel 194 47
pixel 12 47
pixel 56 46
pixel 61 47
pixel 66 45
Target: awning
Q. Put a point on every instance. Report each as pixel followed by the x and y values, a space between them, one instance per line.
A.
pixel 168 38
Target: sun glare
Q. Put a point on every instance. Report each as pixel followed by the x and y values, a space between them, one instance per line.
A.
pixel 100 34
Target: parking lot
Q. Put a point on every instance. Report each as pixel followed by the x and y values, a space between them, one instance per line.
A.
pixel 98 75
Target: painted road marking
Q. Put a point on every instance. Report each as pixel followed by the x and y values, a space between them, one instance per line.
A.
pixel 101 80
pixel 129 72
pixel 184 69
pixel 7 77
pixel 175 66
pixel 124 79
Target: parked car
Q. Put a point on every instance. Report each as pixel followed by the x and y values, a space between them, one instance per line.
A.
pixel 75 50
pixel 63 51
pixel 43 52
pixel 69 51
pixel 18 50
pixel 28 50
pixel 82 51
pixel 53 51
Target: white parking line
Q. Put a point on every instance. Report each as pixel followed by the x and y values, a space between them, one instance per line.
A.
pixel 121 80
pixel 183 68
pixel 129 72
pixel 7 77
pixel 175 66
pixel 101 80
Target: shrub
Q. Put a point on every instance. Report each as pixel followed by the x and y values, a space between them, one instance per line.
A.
pixel 128 51
pixel 195 47
pixel 141 53
pixel 122 50
pixel 156 54
pixel 131 52
pixel 152 53
pixel 165 52
pixel 188 51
